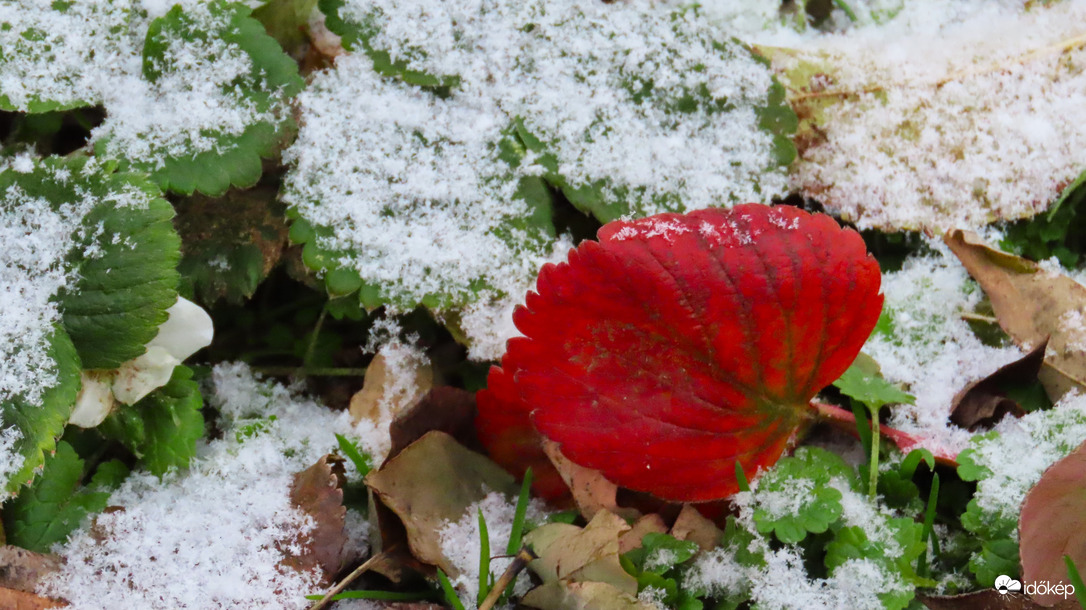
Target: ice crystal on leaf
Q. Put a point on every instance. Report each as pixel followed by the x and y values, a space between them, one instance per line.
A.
pixel 678 345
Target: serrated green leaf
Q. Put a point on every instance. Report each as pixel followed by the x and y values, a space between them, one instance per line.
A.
pixel 162 428
pixel 230 155
pixel 359 36
pixel 659 553
pixel 40 424
pixel 862 381
pixel 123 254
pixel 55 504
pixel 896 549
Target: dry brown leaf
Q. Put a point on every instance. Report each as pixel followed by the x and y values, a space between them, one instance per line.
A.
pixel 445 408
pixel 432 481
pixel 581 596
pixel 984 402
pixel 22 570
pixel 1032 305
pixel 648 524
pixel 316 492
pixel 581 555
pixel 378 399
pixel 693 526
pixel 591 491
pixel 11 599
pixel 1053 523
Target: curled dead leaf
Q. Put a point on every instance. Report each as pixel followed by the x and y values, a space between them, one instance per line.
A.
pixel 571 554
pixel 1032 305
pixel 316 491
pixel 592 492
pixel 581 596
pixel 693 526
pixel 984 402
pixel 22 570
pixel 434 480
pixel 11 599
pixel 393 384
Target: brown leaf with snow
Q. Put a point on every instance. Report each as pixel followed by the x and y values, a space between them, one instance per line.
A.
pixel 988 599
pixel 316 492
pixel 431 482
pixel 1032 305
pixel 1053 523
pixel 22 570
pixel 984 402
pixel 392 385
pixel 11 599
pixel 445 408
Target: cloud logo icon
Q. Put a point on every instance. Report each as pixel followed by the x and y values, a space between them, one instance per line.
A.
pixel 1005 584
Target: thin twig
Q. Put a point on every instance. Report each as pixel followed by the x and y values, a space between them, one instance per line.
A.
pixel 341 585
pixel 523 557
pixel 976 317
pixel 309 351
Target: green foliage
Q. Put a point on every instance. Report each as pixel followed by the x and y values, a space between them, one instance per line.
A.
pixel 162 428
pixel 862 381
pixel 807 484
pixel 40 424
pixel 1057 233
pixel 998 556
pixel 659 563
pixel 234 158
pixel 124 256
pixel 56 503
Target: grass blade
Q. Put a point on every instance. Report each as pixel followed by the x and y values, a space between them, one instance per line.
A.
pixel 929 524
pixel 516 536
pixel 450 593
pixel 741 477
pixel 361 462
pixel 1076 581
pixel 484 560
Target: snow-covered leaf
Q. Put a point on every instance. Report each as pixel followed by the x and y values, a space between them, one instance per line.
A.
pixel 55 504
pixel 800 494
pixel 316 492
pixel 211 104
pixel 32 422
pixel 161 429
pixel 679 344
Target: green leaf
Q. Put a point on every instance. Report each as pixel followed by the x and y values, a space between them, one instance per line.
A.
pixel 659 553
pixel 162 428
pixel 362 462
pixel 898 544
pixel 797 496
pixel 228 154
pixel 996 557
pixel 286 21
pixel 359 36
pixel 862 381
pixel 55 504
pixel 39 424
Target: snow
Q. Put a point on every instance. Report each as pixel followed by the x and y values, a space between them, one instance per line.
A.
pixel 947 117
pixel 460 542
pixel 212 537
pixel 91 53
pixel 929 348
pixel 1022 450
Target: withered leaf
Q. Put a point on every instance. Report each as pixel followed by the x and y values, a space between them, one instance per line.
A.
pixel 378 398
pixel 592 492
pixel 1032 305
pixel 316 492
pixel 432 481
pixel 11 599
pixel 569 553
pixel 648 524
pixel 984 402
pixel 693 526
pixel 22 570
pixel 445 408
pixel 581 596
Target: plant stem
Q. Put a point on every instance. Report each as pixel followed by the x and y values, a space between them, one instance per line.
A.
pixel 350 578
pixel 873 477
pixel 309 351
pixel 521 560
pixel 846 421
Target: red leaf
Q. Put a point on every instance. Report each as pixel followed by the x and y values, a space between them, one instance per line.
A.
pixel 1053 524
pixel 679 344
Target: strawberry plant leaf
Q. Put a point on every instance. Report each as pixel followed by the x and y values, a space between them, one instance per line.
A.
pixel 161 429
pixel 863 382
pixel 32 425
pixel 124 252
pixel 680 344
pixel 252 80
pixel 55 504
